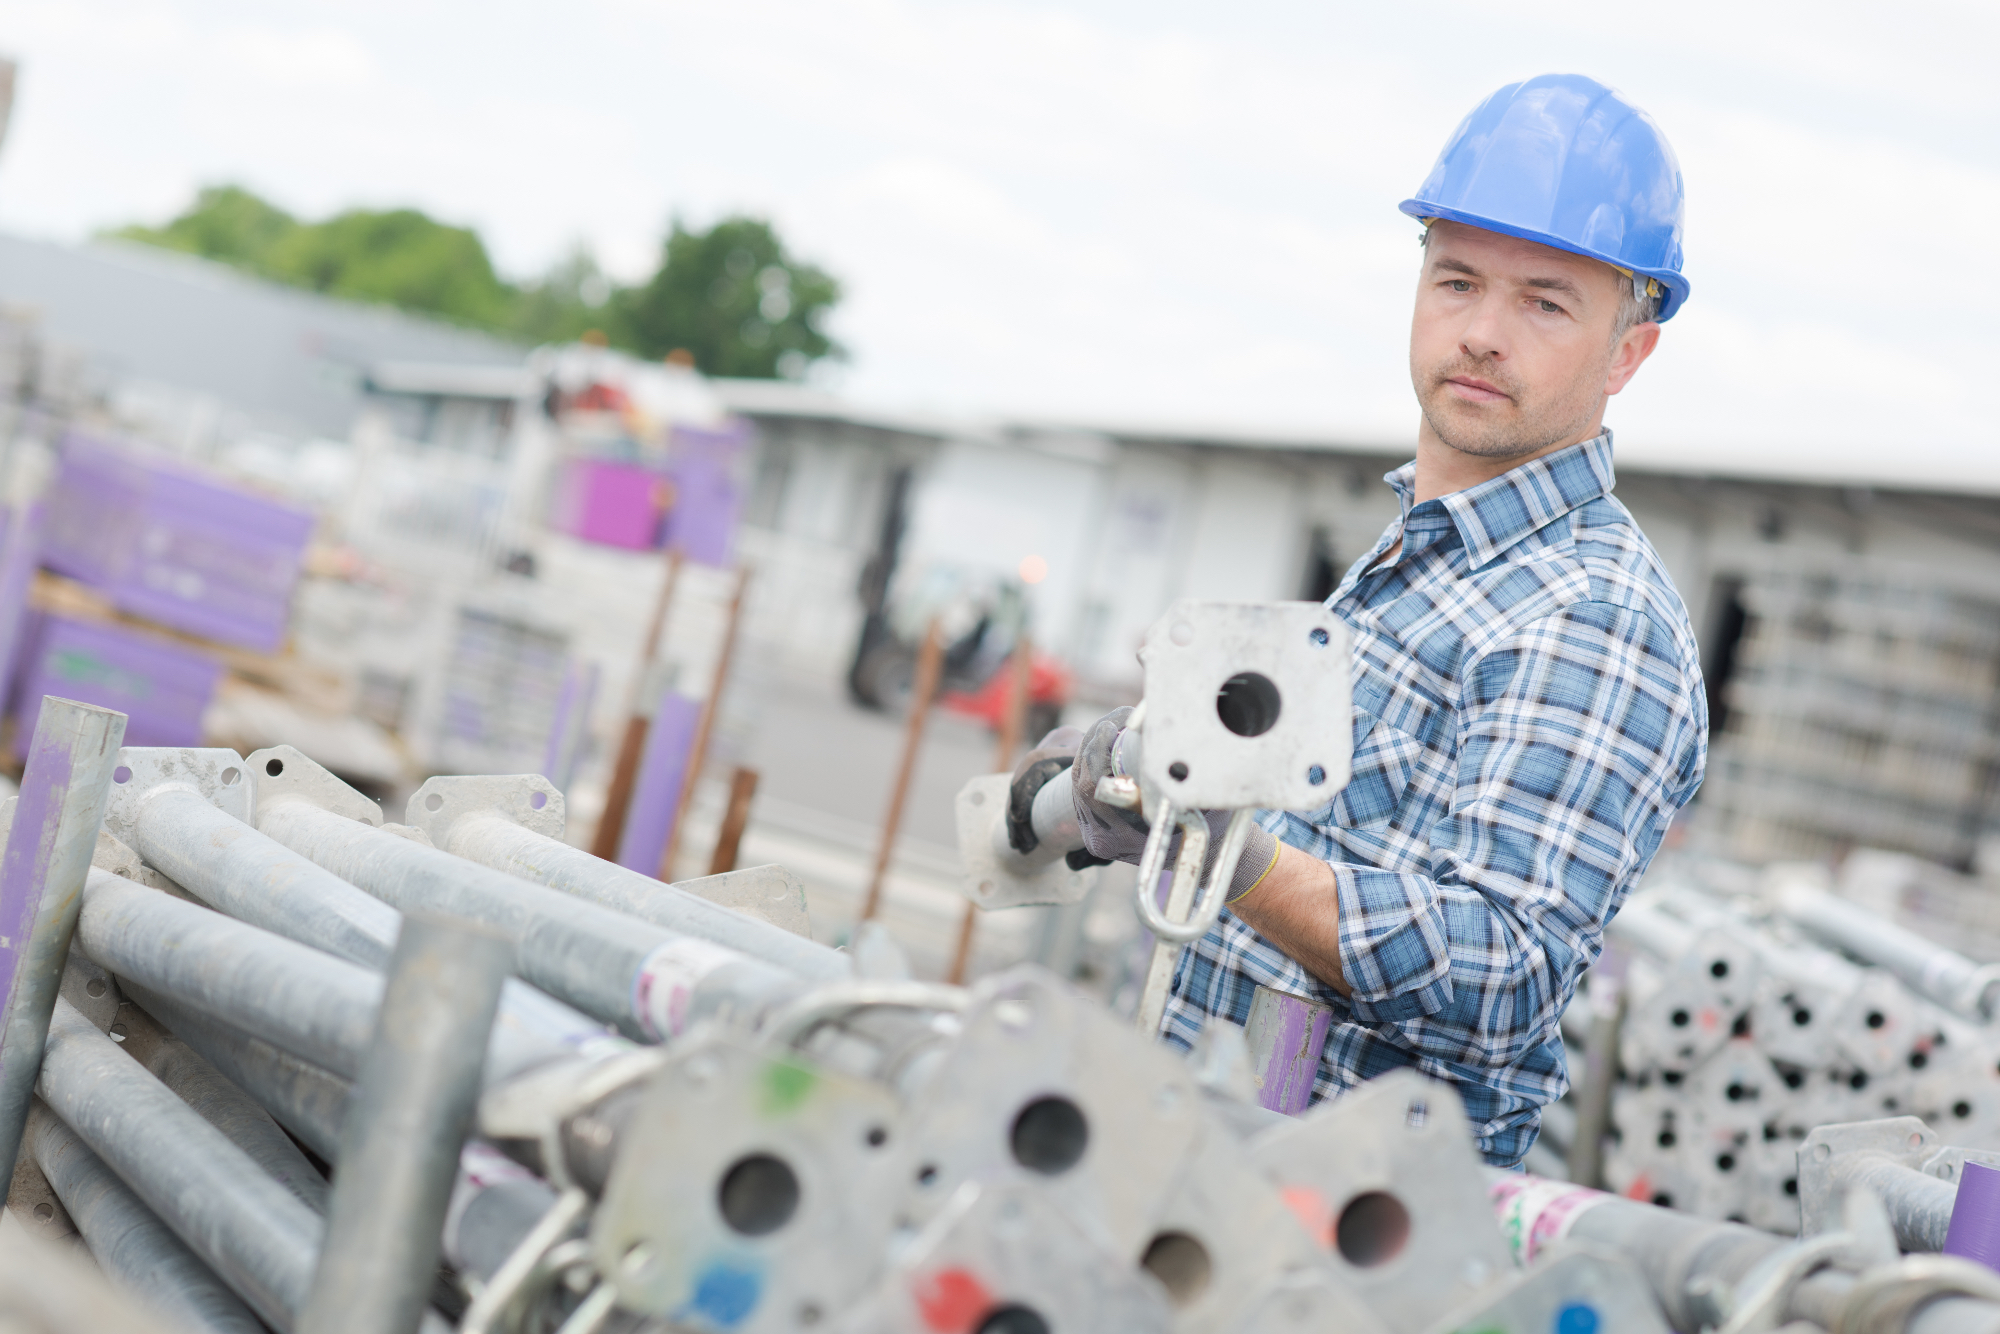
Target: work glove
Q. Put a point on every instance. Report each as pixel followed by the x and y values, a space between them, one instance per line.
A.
pixel 1037 769
pixel 1114 834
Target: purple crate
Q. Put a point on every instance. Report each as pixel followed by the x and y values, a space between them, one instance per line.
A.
pixel 175 546
pixel 616 504
pixel 164 688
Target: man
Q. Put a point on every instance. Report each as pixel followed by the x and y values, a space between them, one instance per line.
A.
pixel 1529 711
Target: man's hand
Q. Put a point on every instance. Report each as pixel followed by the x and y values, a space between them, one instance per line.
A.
pixel 1038 768
pixel 1109 833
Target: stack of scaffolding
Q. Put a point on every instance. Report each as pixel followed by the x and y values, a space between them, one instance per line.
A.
pixel 1749 1022
pixel 1859 712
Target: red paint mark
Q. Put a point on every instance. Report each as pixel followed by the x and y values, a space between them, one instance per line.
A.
pixel 1709 1019
pixel 1310 1208
pixel 950 1300
pixel 1640 1189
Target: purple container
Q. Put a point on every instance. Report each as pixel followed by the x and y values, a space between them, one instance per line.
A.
pixel 1974 1233
pixel 175 546
pixel 163 687
pixel 707 500
pixel 616 504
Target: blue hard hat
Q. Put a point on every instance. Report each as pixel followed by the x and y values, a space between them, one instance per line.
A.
pixel 1563 160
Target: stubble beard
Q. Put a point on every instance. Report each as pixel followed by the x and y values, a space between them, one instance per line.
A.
pixel 1529 428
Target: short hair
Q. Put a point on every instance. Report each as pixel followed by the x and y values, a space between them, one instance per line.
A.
pixel 1633 308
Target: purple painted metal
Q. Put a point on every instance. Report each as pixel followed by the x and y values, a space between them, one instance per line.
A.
pixel 1974 1233
pixel 702 523
pixel 18 555
pixel 162 687
pixel 649 822
pixel 1286 1034
pixel 174 545
pixel 570 731
pixel 49 846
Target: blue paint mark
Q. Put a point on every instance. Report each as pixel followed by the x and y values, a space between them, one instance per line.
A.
pixel 1576 1318
pixel 725 1294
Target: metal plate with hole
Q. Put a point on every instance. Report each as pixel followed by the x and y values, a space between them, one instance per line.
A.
pixel 1247 704
pixel 1396 1193
pixel 282 773
pixel 529 800
pixel 1046 1086
pixel 217 775
pixel 982 803
pixel 1003 1257
pixel 749 1189
pixel 1830 1156
pixel 1582 1288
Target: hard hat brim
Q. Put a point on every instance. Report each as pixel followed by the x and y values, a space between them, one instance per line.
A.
pixel 1676 287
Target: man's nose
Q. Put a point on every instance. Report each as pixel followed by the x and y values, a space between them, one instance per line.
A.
pixel 1483 335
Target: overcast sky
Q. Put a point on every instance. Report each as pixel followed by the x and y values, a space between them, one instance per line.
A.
pixel 1122 211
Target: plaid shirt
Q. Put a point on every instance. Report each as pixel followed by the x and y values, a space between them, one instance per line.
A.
pixel 1528 717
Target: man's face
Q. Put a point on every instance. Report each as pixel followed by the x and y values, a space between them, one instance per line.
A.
pixel 1511 349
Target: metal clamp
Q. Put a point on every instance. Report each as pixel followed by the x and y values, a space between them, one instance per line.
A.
pixel 526 1273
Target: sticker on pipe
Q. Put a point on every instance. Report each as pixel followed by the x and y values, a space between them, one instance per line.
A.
pixel 663 992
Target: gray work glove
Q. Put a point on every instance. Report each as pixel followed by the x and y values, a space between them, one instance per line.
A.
pixel 1113 834
pixel 1037 769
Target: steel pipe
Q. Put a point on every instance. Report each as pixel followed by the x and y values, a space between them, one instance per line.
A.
pixel 492 840
pixel 304 1099
pixel 309 1003
pixel 64 790
pixel 252 877
pixel 128 1241
pixel 1945 976
pixel 409 1117
pixel 644 979
pixel 258 1236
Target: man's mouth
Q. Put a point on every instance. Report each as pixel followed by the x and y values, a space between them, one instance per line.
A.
pixel 1472 389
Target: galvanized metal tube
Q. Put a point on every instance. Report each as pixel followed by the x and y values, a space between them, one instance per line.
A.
pixel 304 1099
pixel 1943 975
pixel 648 981
pixel 236 870
pixel 236 1114
pixel 405 1126
pixel 254 878
pixel 311 1004
pixel 128 1241
pixel 258 1236
pixel 499 843
pixel 54 833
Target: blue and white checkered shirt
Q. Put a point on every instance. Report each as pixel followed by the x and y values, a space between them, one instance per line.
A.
pixel 1528 717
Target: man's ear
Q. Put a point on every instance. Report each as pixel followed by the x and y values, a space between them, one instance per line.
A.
pixel 1634 346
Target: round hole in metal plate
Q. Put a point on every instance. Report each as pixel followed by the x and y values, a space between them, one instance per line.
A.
pixel 433 802
pixel 121 774
pixel 1178 771
pixel 758 1195
pixel 1315 775
pixel 1014 1318
pixel 1248 704
pixel 1181 1264
pixel 1050 1136
pixel 1320 638
pixel 230 775
pixel 538 800
pixel 274 767
pixel 1372 1229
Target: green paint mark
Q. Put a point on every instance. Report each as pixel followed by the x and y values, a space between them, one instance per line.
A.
pixel 786 1086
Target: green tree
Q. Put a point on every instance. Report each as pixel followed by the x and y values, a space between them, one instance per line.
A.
pixel 572 298
pixel 736 301
pixel 226 223
pixel 400 257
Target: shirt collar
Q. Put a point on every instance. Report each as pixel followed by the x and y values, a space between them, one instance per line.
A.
pixel 1500 511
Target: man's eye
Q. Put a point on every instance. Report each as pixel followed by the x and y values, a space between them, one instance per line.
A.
pixel 1460 285
pixel 1550 308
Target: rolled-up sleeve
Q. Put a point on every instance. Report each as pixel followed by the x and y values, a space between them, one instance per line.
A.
pixel 1580 735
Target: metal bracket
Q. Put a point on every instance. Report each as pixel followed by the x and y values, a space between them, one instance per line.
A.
pixel 981 804
pixel 1247 704
pixel 1580 1287
pixel 534 1108
pixel 283 773
pixel 217 775
pixel 1388 1179
pixel 529 800
pixel 1902 1140
pixel 770 893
